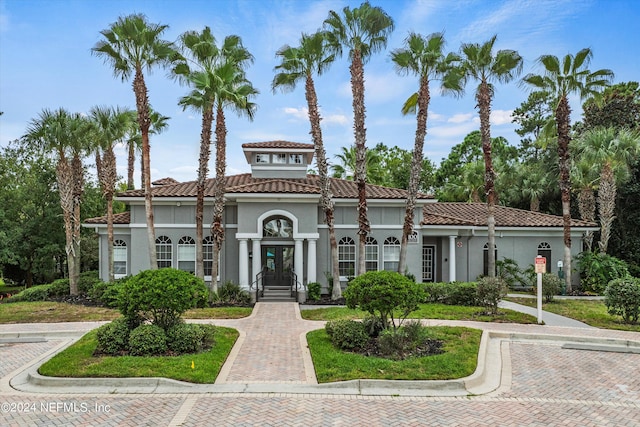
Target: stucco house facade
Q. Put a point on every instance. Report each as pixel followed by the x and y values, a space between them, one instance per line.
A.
pixel 274 229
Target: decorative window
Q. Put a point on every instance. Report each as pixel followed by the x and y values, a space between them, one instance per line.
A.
pixel 544 250
pixel 428 263
pixel 164 252
pixel 279 158
pixel 295 159
pixel 207 255
pixel 187 254
pixel 119 258
pixel 391 253
pixel 278 227
pixel 262 158
pixel 485 263
pixel 371 254
pixel 347 257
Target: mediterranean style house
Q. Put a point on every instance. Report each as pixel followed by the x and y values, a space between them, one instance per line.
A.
pixel 275 235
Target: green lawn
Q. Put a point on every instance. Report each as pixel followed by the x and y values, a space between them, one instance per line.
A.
pixel 47 311
pixel 459 359
pixel 593 313
pixel 426 311
pixel 78 361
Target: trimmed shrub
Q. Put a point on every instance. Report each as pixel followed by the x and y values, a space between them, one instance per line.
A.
pixel 34 293
pixel 454 293
pixel 147 340
pixel 230 293
pixel 490 292
pixel 159 296
pixel 313 291
pixel 59 288
pixel 372 325
pixel 185 338
pixel 384 294
pixel 347 334
pixel 598 269
pixel 409 340
pixel 106 293
pixel 113 338
pixel 622 298
pixel 87 281
pixel 551 286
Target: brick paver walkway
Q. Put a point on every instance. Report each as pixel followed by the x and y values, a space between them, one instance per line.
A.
pixel 547 386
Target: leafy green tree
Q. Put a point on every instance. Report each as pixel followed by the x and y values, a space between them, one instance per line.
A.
pixel 424 58
pixel 618 107
pixel 363 31
pixel 560 80
pixel 346 165
pixel 395 167
pixel 132 45
pixel 300 63
pixel 532 116
pixel 480 64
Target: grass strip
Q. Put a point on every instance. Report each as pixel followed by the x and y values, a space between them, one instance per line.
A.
pixel 460 358
pixel 77 361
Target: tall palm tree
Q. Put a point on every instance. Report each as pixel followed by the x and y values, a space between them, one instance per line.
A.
pixel 363 31
pixel 480 64
pixel 424 58
pixel 111 127
pixel 346 166
pixel 584 180
pixel 562 79
pixel 612 151
pixel 67 137
pixel 132 45
pixel 159 124
pixel 199 71
pixel 299 64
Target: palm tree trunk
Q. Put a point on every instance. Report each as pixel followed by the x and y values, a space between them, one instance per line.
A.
pixel 416 169
pixel 563 112
pixel 142 104
pixel 131 163
pixel 357 87
pixel 203 170
pixel 484 105
pixel 77 173
pixel 325 190
pixel 108 179
pixel 606 205
pixel 65 189
pixel 587 209
pixel 217 226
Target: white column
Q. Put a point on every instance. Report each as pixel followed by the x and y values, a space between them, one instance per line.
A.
pixel 256 261
pixel 297 260
pixel 311 260
pixel 243 264
pixel 452 258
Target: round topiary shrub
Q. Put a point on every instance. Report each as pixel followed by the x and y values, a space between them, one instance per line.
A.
pixel 313 291
pixel 384 294
pixel 159 296
pixel 622 297
pixel 185 338
pixel 147 340
pixel 347 334
pixel 113 338
pixel 490 292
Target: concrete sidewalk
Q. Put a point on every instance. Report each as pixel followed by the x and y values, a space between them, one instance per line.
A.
pixel 549 319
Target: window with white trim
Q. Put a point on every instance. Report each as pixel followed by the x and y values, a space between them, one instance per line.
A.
pixel 207 256
pixel 279 158
pixel 119 258
pixel 485 258
pixel 391 253
pixel 164 252
pixel 262 158
pixel 347 257
pixel 544 250
pixel 295 159
pixel 187 254
pixel 371 254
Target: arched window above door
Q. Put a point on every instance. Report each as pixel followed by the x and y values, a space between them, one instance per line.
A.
pixel 277 227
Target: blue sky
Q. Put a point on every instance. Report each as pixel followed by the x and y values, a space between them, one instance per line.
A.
pixel 46 62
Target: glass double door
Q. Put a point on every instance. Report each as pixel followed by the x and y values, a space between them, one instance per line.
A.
pixel 278 263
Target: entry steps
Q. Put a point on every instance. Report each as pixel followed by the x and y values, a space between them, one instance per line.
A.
pixel 274 293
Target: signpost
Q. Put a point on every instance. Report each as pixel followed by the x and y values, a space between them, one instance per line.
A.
pixel 541 268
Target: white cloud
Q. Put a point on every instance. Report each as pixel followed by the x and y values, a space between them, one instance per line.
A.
pixel 461 118
pixel 501 117
pixel 297 113
pixel 302 114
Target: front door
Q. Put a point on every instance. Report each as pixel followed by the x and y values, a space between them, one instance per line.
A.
pixel 278 261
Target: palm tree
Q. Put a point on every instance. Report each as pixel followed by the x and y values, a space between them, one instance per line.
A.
pixel 424 58
pixel 346 166
pixel 67 137
pixel 111 127
pixel 199 71
pixel 159 124
pixel 561 79
pixel 612 151
pixel 132 45
pixel 480 64
pixel 466 186
pixel 584 180
pixel 363 31
pixel 298 64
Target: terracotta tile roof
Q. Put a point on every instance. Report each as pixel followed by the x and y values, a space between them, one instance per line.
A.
pixel 278 144
pixel 164 181
pixel 475 214
pixel 245 183
pixel 119 218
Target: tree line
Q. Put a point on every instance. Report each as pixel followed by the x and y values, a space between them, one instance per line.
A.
pixel 215 74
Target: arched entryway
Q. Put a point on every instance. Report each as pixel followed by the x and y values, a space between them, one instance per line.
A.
pixel 277 252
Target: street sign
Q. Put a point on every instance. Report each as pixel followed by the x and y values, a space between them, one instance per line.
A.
pixel 541 264
pixel 541 268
